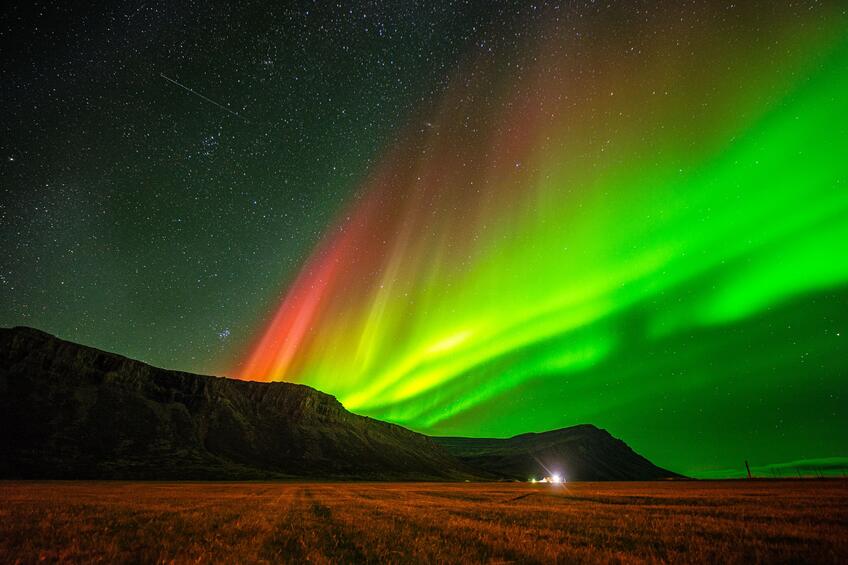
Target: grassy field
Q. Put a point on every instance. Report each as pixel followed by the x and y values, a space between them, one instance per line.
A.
pixel 742 522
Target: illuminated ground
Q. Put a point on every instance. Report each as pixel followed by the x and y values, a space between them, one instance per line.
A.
pixel 787 521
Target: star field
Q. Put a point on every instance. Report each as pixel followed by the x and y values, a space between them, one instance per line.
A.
pixel 141 218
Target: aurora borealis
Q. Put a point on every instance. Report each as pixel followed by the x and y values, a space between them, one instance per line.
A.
pixel 634 215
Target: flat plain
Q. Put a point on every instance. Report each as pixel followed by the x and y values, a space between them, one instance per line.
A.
pixel 679 521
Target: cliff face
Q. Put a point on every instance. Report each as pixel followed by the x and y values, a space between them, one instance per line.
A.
pixel 579 453
pixel 70 411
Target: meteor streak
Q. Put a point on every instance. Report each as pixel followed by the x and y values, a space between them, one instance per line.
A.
pixel 184 87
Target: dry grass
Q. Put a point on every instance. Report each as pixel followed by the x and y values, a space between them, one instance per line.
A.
pixel 742 522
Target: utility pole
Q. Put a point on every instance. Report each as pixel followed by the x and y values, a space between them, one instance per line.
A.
pixel 748 467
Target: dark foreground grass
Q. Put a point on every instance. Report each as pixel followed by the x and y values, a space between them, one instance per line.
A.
pixel 113 522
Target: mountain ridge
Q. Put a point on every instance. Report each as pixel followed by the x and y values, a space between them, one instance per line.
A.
pixel 71 411
pixel 581 453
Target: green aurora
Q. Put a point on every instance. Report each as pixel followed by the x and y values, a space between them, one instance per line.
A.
pixel 657 245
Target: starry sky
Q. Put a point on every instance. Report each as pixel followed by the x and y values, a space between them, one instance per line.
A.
pixel 477 218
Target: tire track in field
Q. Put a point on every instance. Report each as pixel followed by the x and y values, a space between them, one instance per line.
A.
pixel 337 542
pixel 307 532
pixel 233 528
pixel 412 529
pixel 282 543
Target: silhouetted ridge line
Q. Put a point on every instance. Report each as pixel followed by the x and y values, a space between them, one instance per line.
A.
pixel 69 411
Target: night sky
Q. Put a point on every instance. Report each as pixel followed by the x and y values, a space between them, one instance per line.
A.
pixel 476 218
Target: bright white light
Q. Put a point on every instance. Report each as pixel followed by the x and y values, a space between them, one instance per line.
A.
pixel 556 479
pixel 532 480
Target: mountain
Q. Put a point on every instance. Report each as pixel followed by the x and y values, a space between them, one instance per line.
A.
pixel 578 453
pixel 70 411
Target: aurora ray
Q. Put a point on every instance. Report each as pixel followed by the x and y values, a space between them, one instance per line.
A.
pixel 586 211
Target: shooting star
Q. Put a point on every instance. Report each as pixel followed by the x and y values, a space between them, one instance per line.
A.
pixel 184 87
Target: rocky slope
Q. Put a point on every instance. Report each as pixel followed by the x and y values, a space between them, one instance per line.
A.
pixel 579 453
pixel 70 411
